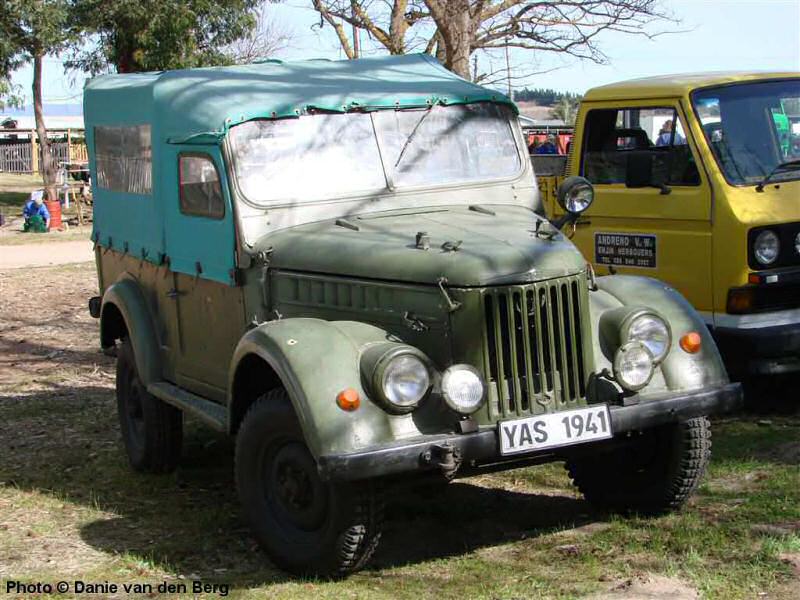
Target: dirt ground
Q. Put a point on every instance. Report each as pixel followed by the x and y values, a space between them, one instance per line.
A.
pixel 70 508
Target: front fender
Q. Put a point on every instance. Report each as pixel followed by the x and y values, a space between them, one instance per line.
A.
pixel 679 370
pixel 126 297
pixel 315 360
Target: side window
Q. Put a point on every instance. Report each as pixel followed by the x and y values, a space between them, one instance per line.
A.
pixel 200 188
pixel 638 147
pixel 124 158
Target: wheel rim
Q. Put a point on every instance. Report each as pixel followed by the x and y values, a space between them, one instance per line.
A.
pixel 134 408
pixel 294 492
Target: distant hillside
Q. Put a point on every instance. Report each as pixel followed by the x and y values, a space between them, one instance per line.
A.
pixel 543 96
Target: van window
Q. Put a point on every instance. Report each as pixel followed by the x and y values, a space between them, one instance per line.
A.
pixel 637 144
pixel 200 188
pixel 124 159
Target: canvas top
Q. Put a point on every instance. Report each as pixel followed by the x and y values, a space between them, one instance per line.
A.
pixel 192 102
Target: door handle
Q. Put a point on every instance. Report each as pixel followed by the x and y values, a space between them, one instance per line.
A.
pixel 174 293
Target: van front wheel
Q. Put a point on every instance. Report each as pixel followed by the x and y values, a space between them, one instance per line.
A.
pixel 306 525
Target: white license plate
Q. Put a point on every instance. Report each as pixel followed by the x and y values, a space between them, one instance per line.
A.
pixel 555 429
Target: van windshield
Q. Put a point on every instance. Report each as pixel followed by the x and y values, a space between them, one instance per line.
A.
pixel 324 156
pixel 752 128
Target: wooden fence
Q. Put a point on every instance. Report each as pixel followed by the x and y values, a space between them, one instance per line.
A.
pixel 20 153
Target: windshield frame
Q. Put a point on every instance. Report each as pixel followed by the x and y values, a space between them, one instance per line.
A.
pixel 696 115
pixel 387 169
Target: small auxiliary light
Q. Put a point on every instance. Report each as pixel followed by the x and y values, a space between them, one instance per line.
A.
pixel 348 400
pixel 691 342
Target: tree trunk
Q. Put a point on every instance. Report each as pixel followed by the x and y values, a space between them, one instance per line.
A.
pixel 47 164
pixel 454 21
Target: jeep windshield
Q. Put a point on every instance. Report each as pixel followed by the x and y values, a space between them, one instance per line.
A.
pixel 331 155
pixel 752 128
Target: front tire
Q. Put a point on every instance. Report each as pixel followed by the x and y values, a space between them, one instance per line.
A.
pixel 152 430
pixel 307 526
pixel 655 475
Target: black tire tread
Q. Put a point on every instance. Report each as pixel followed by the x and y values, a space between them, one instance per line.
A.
pixel 690 456
pixel 360 535
pixel 164 424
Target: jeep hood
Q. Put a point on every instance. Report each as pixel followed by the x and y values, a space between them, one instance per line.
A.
pixel 469 246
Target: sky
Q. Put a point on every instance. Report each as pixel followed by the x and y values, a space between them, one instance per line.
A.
pixel 713 35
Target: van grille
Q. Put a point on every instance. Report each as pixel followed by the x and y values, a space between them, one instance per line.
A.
pixel 534 346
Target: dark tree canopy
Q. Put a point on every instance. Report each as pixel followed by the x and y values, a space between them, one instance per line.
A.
pixel 151 35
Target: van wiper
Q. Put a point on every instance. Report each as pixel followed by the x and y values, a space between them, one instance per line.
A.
pixel 789 165
pixel 413 133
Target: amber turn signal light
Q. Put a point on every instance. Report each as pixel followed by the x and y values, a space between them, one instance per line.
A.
pixel 348 400
pixel 691 342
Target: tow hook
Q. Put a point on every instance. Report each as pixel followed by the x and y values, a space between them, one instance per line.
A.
pixel 445 456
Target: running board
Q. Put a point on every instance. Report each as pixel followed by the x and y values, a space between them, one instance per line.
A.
pixel 210 413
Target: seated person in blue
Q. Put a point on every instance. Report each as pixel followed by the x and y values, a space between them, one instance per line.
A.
pixel 665 135
pixel 36 213
pixel 549 147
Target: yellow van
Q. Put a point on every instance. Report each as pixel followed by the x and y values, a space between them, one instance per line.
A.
pixel 697 183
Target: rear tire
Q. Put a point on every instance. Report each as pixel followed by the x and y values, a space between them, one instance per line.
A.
pixel 656 475
pixel 307 526
pixel 151 429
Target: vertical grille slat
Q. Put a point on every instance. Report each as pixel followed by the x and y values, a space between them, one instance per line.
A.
pixel 534 346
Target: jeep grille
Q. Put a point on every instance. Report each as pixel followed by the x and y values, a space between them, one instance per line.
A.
pixel 536 346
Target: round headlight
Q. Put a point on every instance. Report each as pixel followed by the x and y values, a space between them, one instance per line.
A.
pixel 404 381
pixel 633 366
pixel 463 389
pixel 797 243
pixel 766 247
pixel 575 195
pixel 653 332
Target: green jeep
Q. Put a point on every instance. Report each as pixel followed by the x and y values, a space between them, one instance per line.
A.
pixel 344 265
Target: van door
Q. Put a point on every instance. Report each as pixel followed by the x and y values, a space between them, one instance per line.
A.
pixel 200 242
pixel 652 210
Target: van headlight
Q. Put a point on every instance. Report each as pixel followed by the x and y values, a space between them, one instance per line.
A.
pixel 463 389
pixel 766 247
pixel 401 380
pixel 652 331
pixel 633 366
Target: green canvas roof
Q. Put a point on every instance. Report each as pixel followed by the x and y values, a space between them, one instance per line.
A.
pixel 189 102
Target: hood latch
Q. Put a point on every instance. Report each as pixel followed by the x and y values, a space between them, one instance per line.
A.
pixel 452 305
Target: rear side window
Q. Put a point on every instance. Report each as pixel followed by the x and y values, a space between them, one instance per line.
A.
pixel 124 159
pixel 643 145
pixel 200 187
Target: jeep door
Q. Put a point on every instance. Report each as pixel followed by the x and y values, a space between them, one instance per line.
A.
pixel 200 242
pixel 652 210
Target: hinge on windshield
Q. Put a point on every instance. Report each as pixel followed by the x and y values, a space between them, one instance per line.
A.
pixel 452 305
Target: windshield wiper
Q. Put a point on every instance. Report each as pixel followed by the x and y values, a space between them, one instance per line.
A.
pixel 413 133
pixel 789 165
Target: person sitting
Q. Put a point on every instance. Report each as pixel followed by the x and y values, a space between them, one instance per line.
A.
pixel 37 217
pixel 665 135
pixel 549 147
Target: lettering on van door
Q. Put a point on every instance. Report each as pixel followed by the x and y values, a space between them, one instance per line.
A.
pixel 625 249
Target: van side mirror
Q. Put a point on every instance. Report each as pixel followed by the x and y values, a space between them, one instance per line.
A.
pixel 639 171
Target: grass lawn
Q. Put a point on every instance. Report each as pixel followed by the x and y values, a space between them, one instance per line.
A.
pixel 71 509
pixel 15 190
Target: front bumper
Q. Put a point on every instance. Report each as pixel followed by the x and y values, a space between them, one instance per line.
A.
pixel 760 350
pixel 448 453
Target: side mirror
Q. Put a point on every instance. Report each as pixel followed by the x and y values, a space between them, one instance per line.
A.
pixel 639 169
pixel 575 195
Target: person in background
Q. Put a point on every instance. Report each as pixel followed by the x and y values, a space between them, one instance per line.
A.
pixel 37 217
pixel 549 147
pixel 665 135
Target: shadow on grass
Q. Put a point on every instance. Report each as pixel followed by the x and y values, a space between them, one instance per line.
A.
pixel 13 200
pixel 66 443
